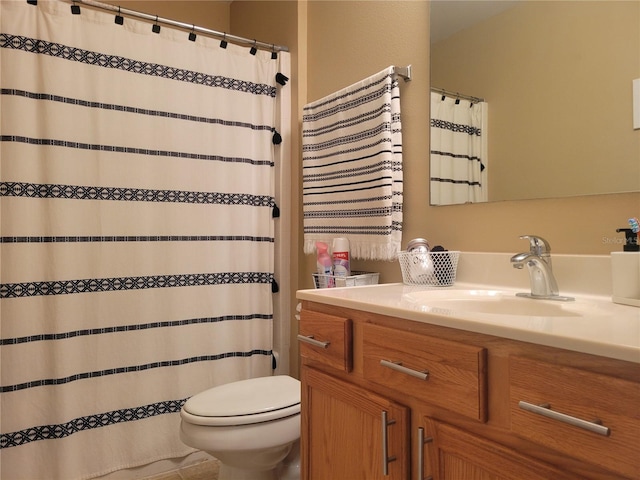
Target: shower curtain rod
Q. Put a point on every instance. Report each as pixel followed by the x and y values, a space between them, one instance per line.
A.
pixel 456 95
pixel 186 26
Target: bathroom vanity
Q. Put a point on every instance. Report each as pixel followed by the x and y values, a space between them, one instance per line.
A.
pixel 402 382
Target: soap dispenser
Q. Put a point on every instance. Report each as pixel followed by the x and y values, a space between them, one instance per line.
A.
pixel 625 270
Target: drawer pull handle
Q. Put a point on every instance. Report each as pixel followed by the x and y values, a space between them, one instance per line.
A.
pixel 422 441
pixel 313 341
pixel 545 410
pixel 424 375
pixel 386 459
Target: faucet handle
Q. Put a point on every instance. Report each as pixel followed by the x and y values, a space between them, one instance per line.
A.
pixel 537 245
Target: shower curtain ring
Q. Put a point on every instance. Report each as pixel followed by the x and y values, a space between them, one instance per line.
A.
pixel 192 35
pixel 274 54
pixel 75 9
pixel 253 50
pixel 223 42
pixel 156 28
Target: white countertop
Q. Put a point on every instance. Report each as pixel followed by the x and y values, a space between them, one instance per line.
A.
pixel 602 328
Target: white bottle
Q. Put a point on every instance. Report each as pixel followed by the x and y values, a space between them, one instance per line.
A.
pixel 340 255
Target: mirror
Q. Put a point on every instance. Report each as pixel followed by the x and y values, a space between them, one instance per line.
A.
pixel 557 81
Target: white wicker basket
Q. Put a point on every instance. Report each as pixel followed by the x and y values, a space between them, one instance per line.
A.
pixel 356 279
pixel 436 269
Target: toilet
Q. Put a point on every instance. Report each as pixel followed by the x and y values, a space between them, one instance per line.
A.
pixel 251 426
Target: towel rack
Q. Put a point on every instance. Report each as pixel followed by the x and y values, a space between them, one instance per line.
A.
pixel 403 72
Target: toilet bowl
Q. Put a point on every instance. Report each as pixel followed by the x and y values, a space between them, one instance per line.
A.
pixel 250 426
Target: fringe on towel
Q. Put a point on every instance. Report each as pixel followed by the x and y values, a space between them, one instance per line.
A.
pixel 352 168
pixel 359 250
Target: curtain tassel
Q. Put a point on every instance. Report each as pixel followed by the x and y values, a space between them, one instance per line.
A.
pixel 274 286
pixel 277 138
pixel 276 212
pixel 281 79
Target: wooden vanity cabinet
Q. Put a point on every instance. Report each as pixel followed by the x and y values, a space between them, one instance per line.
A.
pixel 390 398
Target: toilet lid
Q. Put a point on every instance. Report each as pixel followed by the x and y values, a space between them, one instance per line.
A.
pixel 254 396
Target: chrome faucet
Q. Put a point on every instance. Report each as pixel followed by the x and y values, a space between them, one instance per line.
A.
pixel 538 261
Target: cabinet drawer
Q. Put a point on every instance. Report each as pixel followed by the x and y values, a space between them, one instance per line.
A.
pixel 447 374
pixel 582 414
pixel 326 339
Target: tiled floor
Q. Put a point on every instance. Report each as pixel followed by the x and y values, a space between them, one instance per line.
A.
pixel 207 470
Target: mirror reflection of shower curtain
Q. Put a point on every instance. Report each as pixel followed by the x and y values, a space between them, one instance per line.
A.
pixel 458 151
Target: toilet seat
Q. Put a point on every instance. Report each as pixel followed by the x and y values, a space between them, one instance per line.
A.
pixel 245 402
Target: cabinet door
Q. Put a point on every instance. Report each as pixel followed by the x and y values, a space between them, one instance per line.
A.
pixel 453 454
pixel 343 437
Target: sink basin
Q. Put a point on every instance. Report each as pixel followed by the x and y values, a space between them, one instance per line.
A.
pixel 495 302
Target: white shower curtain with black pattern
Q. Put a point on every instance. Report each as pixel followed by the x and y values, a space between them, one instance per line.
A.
pixel 137 228
pixel 458 160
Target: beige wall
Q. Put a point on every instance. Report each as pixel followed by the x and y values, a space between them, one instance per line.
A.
pixel 559 100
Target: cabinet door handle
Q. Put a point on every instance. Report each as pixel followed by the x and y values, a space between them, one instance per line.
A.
pixel 424 375
pixel 313 341
pixel 545 410
pixel 386 459
pixel 422 441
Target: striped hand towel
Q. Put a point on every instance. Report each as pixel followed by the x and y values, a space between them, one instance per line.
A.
pixel 352 168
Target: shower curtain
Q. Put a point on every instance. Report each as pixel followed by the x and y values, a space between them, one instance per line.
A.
pixel 137 227
pixel 458 151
